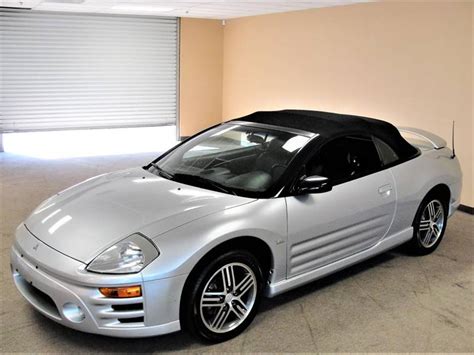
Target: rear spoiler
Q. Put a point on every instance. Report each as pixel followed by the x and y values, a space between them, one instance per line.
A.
pixel 436 141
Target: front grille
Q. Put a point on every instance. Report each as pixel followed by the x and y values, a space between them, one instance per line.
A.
pixel 37 297
pixel 127 307
pixel 117 312
pixel 131 320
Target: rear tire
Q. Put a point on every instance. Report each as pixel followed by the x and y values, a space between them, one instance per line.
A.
pixel 223 298
pixel 429 225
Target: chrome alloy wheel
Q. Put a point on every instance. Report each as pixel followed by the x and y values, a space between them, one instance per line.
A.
pixel 228 297
pixel 431 224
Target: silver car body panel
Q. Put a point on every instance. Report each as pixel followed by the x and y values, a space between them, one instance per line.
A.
pixel 341 229
pixel 388 243
pixel 308 236
pixel 437 167
pixel 117 205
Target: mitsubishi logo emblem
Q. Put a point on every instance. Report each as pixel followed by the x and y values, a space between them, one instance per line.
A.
pixel 35 248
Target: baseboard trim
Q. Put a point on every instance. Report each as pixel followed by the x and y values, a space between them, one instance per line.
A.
pixel 466 209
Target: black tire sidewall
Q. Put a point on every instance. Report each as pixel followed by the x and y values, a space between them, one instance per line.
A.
pixel 417 247
pixel 192 317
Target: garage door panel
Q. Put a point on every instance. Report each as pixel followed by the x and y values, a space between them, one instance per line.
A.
pixel 66 71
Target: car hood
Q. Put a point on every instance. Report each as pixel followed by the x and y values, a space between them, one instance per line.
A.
pixel 87 218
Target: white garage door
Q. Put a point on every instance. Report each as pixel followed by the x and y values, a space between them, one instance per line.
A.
pixel 74 71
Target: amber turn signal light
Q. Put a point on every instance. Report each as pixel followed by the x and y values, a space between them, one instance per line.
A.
pixel 121 292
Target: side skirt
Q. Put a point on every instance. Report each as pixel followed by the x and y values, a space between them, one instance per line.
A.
pixel 298 280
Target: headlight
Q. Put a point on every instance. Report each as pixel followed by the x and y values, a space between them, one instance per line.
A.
pixel 127 256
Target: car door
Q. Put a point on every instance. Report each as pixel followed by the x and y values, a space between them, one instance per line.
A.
pixel 355 215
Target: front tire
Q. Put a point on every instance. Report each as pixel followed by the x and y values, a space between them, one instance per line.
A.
pixel 223 298
pixel 429 225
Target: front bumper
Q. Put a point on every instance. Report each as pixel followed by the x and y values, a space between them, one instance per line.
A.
pixel 38 273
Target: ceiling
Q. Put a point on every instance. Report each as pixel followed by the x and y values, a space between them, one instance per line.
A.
pixel 218 9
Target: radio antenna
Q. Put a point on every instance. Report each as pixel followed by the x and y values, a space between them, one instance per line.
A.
pixel 452 142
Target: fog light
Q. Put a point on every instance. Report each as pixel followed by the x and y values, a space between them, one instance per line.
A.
pixel 121 292
pixel 73 312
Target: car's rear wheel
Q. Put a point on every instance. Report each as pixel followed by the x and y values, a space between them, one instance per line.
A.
pixel 222 301
pixel 429 225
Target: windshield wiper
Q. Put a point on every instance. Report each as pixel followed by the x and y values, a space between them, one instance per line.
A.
pixel 203 181
pixel 162 172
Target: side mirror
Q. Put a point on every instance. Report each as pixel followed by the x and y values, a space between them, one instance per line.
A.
pixel 313 185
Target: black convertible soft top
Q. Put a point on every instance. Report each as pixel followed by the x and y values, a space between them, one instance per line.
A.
pixel 329 125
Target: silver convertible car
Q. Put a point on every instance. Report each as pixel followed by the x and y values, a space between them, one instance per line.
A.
pixel 249 208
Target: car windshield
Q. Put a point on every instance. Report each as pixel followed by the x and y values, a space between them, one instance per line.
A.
pixel 232 158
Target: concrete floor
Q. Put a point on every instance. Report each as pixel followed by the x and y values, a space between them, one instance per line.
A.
pixel 392 303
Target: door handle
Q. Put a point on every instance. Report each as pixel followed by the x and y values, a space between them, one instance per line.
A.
pixel 385 190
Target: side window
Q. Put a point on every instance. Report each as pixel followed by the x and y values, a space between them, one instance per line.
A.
pixel 345 158
pixel 387 154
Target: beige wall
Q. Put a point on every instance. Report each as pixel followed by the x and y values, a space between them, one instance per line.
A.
pixel 200 99
pixel 406 62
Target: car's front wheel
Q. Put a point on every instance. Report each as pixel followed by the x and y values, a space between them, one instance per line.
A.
pixel 429 225
pixel 223 299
